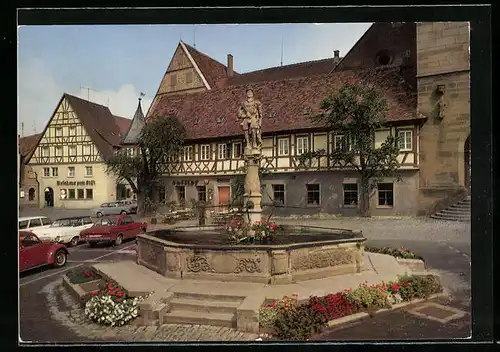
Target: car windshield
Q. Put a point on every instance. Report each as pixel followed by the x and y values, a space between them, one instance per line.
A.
pixel 106 221
pixel 66 223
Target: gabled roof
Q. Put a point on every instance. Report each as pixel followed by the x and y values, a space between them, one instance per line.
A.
pixel 214 72
pixel 135 127
pixel 287 104
pixel 100 124
pixel 301 69
pixel 26 144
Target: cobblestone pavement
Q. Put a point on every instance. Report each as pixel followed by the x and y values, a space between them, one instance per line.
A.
pixel 66 311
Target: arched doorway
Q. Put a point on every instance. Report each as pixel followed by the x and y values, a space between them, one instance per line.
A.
pixel 31 194
pixel 49 197
pixel 467 164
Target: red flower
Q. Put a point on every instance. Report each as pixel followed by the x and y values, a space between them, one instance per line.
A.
pixel 119 294
pixel 94 293
pixel 282 311
pixel 111 292
pixel 118 300
pixel 110 286
pixel 395 288
pixel 408 284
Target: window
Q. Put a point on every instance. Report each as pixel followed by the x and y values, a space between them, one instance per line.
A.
pixel 350 194
pixel 72 131
pixel 339 143
pixel 80 193
pixel 189 77
pixel 72 150
pixel 188 153
pixel 283 146
pixel 46 221
pixel 222 151
pixel 205 152
pixel 89 193
pixel 181 193
pixel 59 132
pixel 55 172
pixel 381 137
pixel 302 145
pixel 71 193
pixel 237 150
pixel 23 224
pixel 86 150
pixel 30 241
pixel 59 151
pixel 202 193
pixel 45 151
pixel 46 171
pixel 127 220
pixel 71 171
pixel 279 193
pixel 385 194
pixel 35 222
pixel 406 140
pixel 89 171
pixel 87 221
pixel 31 194
pixel 21 193
pixel 313 194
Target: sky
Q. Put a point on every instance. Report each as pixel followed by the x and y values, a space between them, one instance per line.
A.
pixel 117 63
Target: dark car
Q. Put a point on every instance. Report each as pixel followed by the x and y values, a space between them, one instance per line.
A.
pixel 113 229
pixel 35 253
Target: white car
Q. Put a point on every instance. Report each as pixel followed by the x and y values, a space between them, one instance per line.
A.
pixel 34 222
pixel 65 230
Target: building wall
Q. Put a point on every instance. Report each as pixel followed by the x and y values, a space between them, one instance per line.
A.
pixel 331 192
pixel 443 60
pixel 103 185
pixel 28 182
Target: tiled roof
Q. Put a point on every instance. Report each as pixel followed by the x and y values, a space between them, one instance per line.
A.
pixel 26 144
pixel 286 103
pixel 131 135
pixel 214 72
pixel 301 69
pixel 123 124
pixel 102 126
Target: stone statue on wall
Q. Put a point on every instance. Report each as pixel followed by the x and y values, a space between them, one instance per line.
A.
pixel 250 114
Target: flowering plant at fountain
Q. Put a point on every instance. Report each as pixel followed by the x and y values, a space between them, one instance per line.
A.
pixel 269 313
pixel 266 230
pixel 238 231
pixel 400 252
pixel 111 305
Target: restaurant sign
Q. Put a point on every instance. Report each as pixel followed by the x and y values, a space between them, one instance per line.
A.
pixel 183 182
pixel 76 183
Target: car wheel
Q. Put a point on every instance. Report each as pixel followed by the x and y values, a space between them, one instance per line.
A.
pixel 74 241
pixel 119 240
pixel 99 214
pixel 123 212
pixel 60 259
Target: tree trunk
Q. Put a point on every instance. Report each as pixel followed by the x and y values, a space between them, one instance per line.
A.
pixel 141 202
pixel 365 197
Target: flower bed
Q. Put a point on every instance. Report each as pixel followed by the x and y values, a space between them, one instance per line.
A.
pixel 261 231
pixel 82 275
pixel 111 305
pixel 288 320
pixel 400 252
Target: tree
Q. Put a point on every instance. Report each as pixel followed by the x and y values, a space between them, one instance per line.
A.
pixel 353 115
pixel 159 142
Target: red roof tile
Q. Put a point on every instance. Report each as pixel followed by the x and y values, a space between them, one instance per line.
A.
pixel 123 124
pixel 212 114
pixel 26 144
pixel 214 72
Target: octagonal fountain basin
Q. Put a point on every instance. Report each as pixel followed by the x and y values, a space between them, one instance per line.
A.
pixel 205 252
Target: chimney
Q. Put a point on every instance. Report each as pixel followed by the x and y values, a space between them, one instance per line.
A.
pixel 336 54
pixel 229 65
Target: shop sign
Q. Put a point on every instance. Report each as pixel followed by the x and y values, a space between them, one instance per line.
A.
pixel 76 183
pixel 183 182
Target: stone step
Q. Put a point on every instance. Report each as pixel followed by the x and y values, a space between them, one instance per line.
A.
pixel 208 306
pixel 459 206
pixel 450 218
pixel 456 211
pixel 208 297
pixel 200 318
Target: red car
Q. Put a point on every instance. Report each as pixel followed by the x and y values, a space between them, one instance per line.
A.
pixel 113 229
pixel 34 253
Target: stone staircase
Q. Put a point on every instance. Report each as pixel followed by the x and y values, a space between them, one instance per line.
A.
pixel 456 212
pixel 203 309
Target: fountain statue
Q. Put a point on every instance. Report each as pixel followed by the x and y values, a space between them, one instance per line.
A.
pixel 250 114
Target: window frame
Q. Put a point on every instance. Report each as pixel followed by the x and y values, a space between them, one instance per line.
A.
pixel 233 155
pixel 56 173
pixel 207 148
pixel 46 172
pixel 286 141
pixel 72 148
pixel 187 151
pixel 73 173
pixel 279 191
pixel 59 148
pixel 385 191
pixel 84 147
pixel 405 132
pixel 350 205
pixel 58 129
pixel 306 141
pixel 78 193
pixel 69 192
pixel 87 168
pixel 87 193
pixel 307 195
pixel 199 191
pixel 45 151
pixel 222 150
pixel 72 129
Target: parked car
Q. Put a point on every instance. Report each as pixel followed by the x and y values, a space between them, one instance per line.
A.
pixel 65 230
pixel 129 205
pixel 35 253
pixel 112 208
pixel 32 222
pixel 113 229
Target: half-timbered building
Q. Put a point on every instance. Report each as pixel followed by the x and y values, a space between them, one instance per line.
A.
pixel 68 156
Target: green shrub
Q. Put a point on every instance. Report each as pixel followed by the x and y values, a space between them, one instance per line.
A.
pixel 417 286
pixel 82 274
pixel 400 252
pixel 369 297
pixel 299 323
pixel 270 312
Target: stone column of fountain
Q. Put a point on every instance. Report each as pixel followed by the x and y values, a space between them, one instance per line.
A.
pixel 250 114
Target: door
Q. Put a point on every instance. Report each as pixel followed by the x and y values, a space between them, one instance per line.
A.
pixel 224 197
